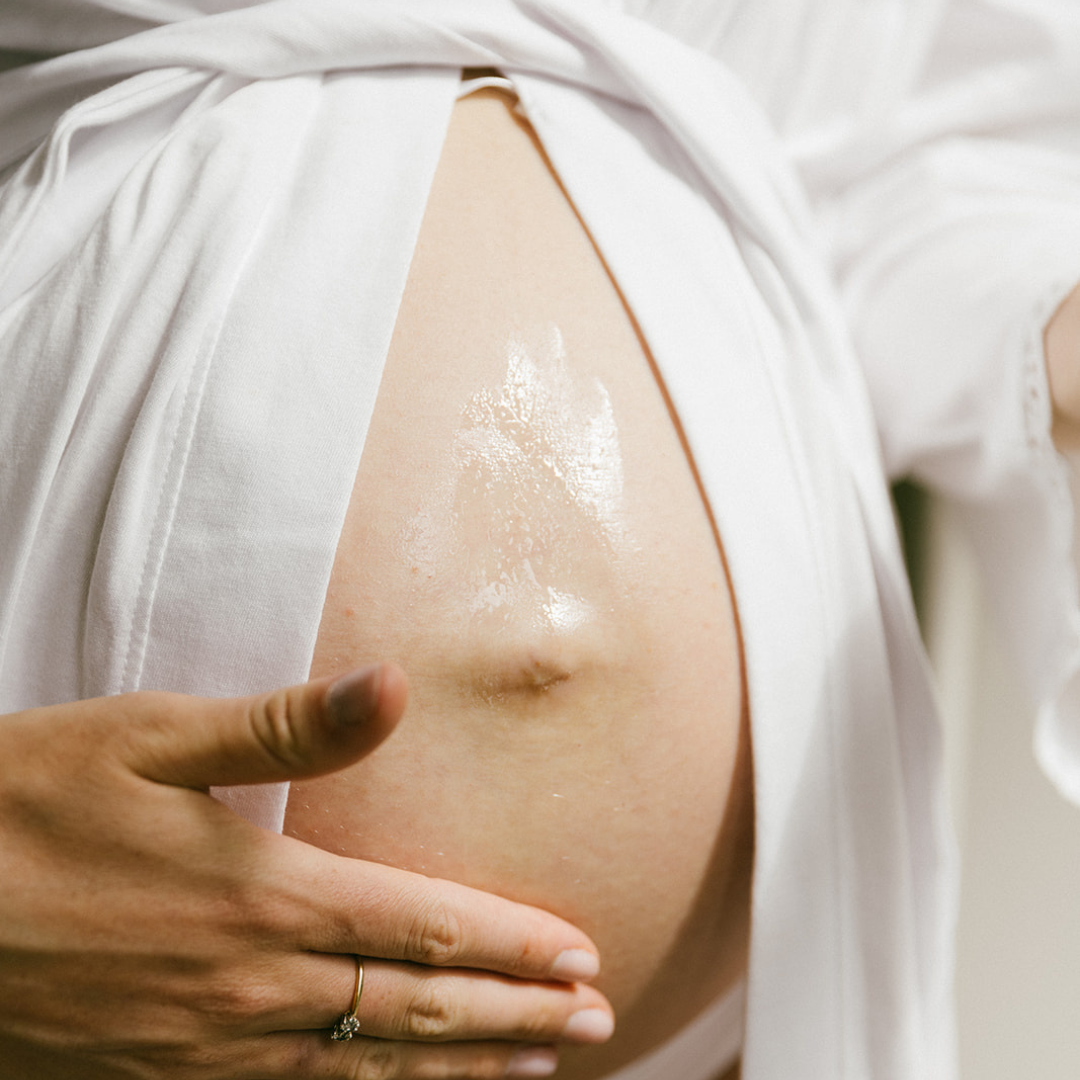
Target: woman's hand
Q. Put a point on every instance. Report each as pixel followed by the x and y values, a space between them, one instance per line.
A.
pixel 146 931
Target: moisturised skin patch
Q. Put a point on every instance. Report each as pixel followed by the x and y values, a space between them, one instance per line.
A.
pixel 529 508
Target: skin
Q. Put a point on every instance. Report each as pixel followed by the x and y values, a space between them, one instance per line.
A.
pixel 229 960
pixel 1061 342
pixel 594 764
pixel 147 932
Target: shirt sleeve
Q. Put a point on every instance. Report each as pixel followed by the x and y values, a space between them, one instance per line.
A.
pixel 955 235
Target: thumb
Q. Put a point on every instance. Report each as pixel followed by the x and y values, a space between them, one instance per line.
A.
pixel 289 734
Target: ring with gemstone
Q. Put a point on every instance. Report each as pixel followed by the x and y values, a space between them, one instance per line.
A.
pixel 348 1025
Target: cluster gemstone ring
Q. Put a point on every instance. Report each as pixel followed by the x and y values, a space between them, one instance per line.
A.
pixel 348 1025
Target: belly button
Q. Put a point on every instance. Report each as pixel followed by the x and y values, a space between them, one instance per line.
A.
pixel 531 679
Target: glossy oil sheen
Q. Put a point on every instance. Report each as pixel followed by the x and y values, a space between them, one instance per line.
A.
pixel 526 538
pixel 532 460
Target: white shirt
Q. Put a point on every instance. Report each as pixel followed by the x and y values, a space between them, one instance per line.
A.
pixel 200 266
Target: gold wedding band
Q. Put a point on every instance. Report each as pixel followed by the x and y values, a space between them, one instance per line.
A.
pixel 348 1025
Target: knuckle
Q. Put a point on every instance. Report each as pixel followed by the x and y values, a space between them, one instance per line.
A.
pixel 305 1056
pixel 439 938
pixel 255 913
pixel 276 725
pixel 540 1025
pixel 249 907
pixel 234 1003
pixel 378 1060
pixel 192 1061
pixel 490 1065
pixel 431 1013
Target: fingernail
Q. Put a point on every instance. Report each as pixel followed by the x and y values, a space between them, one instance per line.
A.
pixel 589 1026
pixel 533 1061
pixel 575 965
pixel 352 699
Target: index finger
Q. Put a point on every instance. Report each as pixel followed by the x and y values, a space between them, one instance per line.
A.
pixel 369 909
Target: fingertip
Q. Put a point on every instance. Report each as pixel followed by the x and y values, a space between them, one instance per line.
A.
pixel 589 1026
pixel 575 965
pixel 533 1061
pixel 394 689
pixel 354 698
pixel 373 692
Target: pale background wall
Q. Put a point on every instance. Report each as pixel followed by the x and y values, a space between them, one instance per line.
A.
pixel 1018 984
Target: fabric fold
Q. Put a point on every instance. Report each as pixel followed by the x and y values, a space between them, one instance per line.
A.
pixel 206 230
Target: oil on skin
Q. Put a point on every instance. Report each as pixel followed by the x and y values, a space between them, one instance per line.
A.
pixel 529 455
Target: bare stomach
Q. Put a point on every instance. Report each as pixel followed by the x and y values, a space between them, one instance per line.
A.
pixel 527 539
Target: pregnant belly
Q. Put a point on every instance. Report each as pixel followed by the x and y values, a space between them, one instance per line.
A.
pixel 527 539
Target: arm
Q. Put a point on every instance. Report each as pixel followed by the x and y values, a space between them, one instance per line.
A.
pixel 145 930
pixel 1062 344
pixel 956 238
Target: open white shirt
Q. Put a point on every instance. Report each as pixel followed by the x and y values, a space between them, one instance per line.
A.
pixel 207 213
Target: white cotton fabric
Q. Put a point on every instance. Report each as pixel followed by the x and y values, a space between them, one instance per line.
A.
pixel 207 212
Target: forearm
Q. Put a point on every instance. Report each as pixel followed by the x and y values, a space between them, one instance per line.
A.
pixel 1061 341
